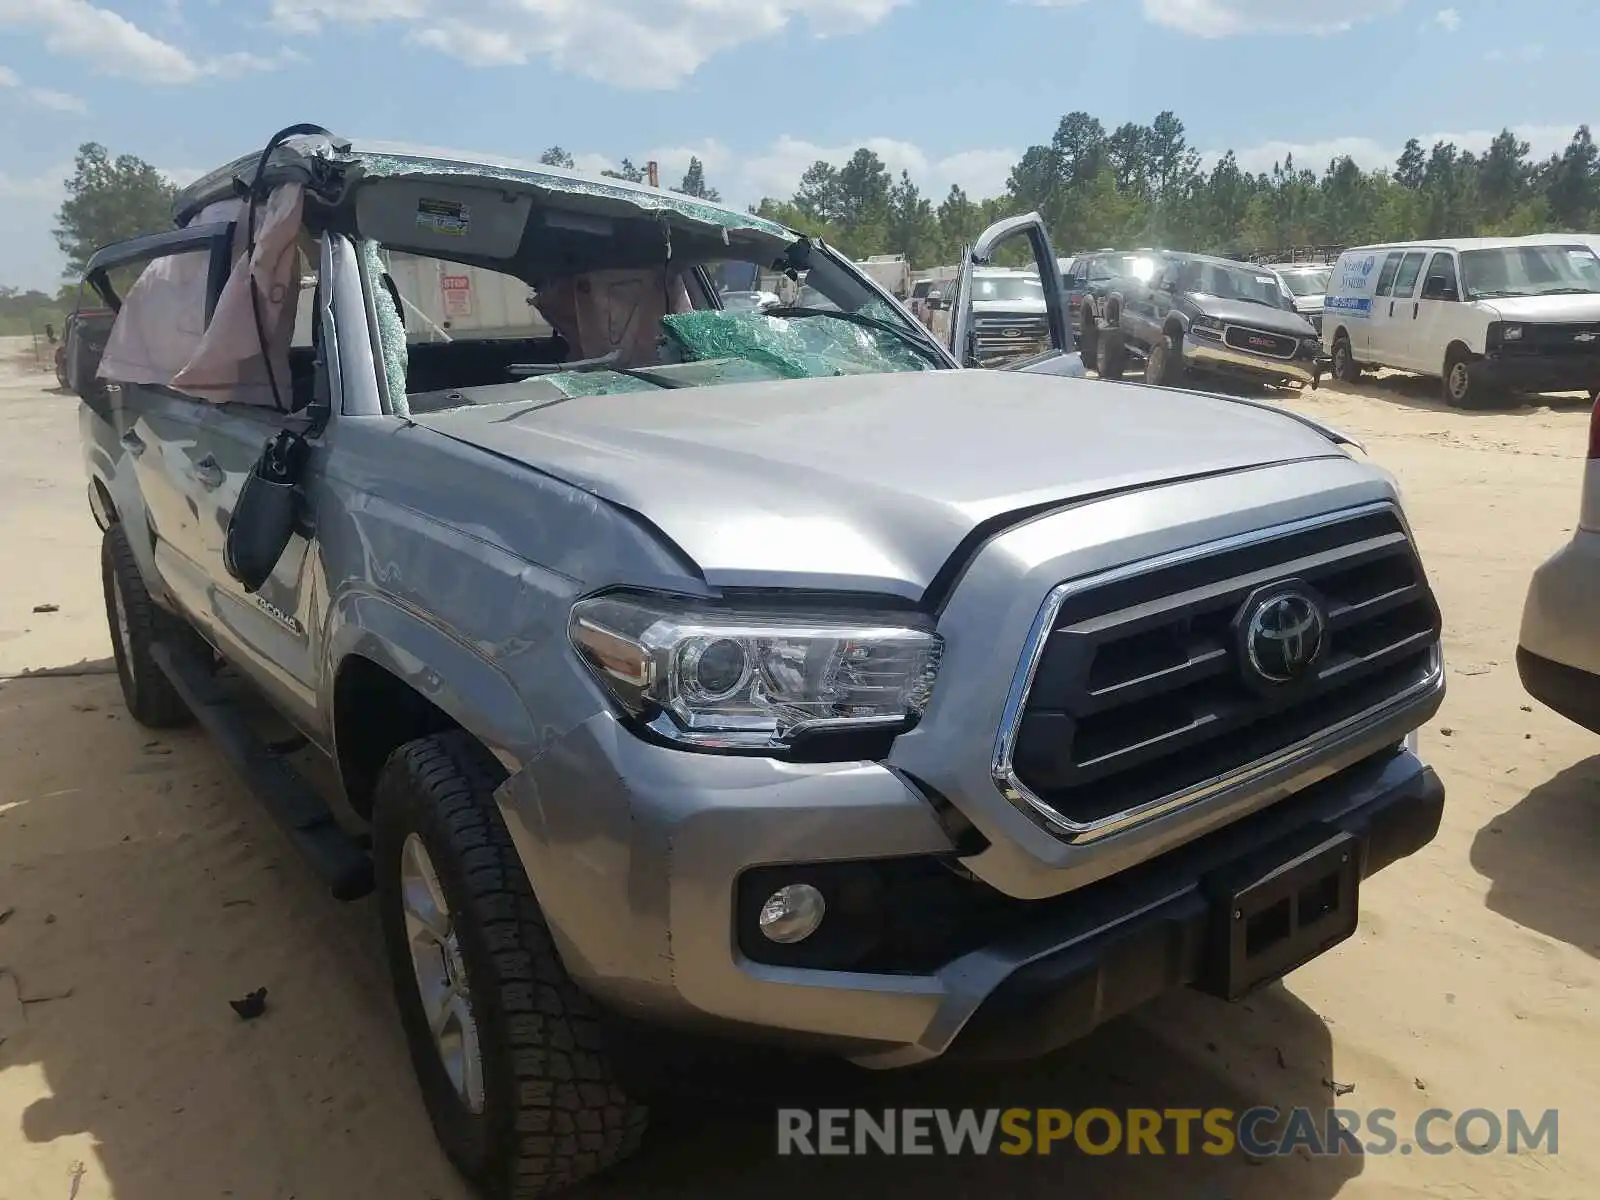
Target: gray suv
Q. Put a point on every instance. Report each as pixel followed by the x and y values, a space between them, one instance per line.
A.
pixel 705 675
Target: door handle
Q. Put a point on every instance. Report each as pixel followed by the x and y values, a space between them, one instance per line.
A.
pixel 1391 308
pixel 132 442
pixel 208 473
pixel 1416 307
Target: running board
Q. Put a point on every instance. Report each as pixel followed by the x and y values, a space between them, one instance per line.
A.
pixel 292 802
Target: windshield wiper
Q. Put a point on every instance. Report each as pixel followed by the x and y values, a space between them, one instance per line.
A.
pixel 919 344
pixel 1568 291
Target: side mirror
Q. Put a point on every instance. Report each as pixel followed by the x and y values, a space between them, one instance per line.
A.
pixel 935 301
pixel 1438 288
pixel 50 333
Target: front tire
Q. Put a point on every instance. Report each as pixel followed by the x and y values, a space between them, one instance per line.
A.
pixel 507 1050
pixel 1088 339
pixel 136 624
pixel 1345 367
pixel 1464 385
pixel 1164 367
pixel 1113 353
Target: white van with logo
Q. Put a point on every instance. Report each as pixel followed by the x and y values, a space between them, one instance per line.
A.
pixel 1486 316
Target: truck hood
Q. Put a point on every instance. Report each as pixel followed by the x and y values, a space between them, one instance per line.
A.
pixel 1258 316
pixel 869 482
pixel 1543 308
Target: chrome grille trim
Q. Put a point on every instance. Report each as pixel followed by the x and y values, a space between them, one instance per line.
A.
pixel 1003 768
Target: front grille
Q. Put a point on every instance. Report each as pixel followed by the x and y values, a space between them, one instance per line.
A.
pixel 1142 695
pixel 1576 340
pixel 1004 332
pixel 1259 341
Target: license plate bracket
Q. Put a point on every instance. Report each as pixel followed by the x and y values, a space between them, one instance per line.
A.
pixel 1282 910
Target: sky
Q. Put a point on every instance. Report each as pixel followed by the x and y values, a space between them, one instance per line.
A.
pixel 951 90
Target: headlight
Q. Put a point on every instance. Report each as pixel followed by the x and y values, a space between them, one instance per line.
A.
pixel 718 678
pixel 1511 333
pixel 1204 322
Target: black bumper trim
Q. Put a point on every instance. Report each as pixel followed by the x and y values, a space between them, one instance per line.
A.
pixel 1392 805
pixel 1543 373
pixel 1570 691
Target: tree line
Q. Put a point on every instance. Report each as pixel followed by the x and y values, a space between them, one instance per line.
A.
pixel 1133 185
pixel 1139 185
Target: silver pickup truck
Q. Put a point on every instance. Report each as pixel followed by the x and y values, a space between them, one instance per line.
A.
pixel 752 676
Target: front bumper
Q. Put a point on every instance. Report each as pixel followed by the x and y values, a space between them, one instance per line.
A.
pixel 1558 645
pixel 1213 355
pixel 1155 933
pixel 1558 615
pixel 641 898
pixel 1542 372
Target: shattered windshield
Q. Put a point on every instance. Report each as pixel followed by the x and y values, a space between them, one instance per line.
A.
pixel 760 310
pixel 1529 271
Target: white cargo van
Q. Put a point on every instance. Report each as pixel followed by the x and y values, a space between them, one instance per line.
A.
pixel 1487 316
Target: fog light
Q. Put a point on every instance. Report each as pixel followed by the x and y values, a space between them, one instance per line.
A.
pixel 792 914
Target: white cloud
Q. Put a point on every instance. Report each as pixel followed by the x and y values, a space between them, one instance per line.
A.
pixel 636 44
pixel 58 101
pixel 31 203
pixel 979 173
pixel 593 164
pixel 108 42
pixel 43 188
pixel 777 170
pixel 248 62
pixel 183 176
pixel 1448 19
pixel 1370 153
pixel 1527 54
pixel 43 97
pixel 1230 18
pixel 111 44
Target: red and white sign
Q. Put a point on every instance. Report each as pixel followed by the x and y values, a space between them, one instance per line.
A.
pixel 457 295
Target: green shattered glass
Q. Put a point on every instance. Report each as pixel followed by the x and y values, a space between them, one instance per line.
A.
pixel 391 332
pixel 595 383
pixel 793 347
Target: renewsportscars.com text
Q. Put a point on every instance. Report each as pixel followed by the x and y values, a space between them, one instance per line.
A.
pixel 1256 1132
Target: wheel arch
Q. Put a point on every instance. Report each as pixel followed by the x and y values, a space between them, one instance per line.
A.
pixel 393 677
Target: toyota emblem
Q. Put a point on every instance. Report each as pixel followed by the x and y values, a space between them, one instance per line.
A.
pixel 1284 636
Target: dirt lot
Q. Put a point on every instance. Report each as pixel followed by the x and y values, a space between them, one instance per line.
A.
pixel 140 891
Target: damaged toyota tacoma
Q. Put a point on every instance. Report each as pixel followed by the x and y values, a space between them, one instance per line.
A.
pixel 759 676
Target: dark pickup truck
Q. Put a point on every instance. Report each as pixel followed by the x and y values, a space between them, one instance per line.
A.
pixel 1207 315
pixel 83 339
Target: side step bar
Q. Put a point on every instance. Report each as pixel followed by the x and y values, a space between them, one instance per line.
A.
pixel 332 853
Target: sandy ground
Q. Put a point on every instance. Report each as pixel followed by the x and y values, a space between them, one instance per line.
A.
pixel 140 891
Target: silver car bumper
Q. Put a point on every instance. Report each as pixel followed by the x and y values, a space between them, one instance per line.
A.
pixel 646 913
pixel 1215 354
